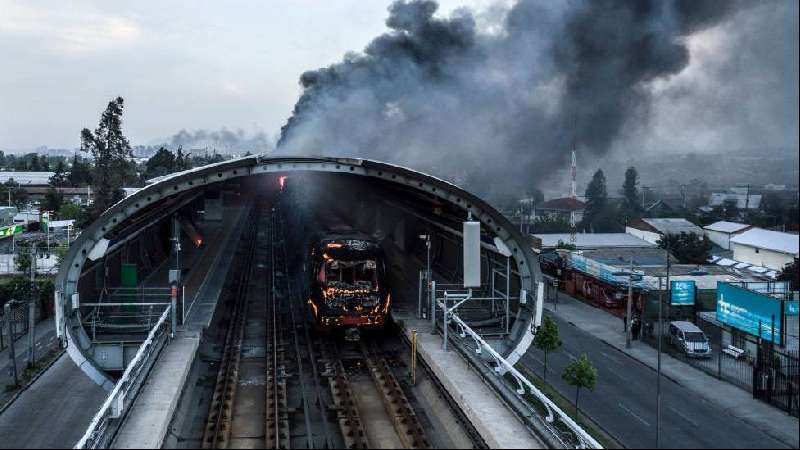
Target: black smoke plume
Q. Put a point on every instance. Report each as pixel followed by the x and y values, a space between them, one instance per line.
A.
pixel 498 111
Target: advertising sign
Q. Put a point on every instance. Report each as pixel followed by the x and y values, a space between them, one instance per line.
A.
pixel 746 310
pixel 11 230
pixel 597 269
pixel 683 293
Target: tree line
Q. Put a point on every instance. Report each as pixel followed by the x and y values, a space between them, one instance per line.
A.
pixel 105 165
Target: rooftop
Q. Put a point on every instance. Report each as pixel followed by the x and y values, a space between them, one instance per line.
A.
pixel 769 240
pixel 621 256
pixel 727 227
pixel 593 240
pixel 673 226
pixel 563 204
pixel 27 178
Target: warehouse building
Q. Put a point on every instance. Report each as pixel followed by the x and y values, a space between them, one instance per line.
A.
pixel 720 233
pixel 652 230
pixel 765 248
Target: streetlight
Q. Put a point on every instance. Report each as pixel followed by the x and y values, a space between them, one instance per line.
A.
pixel 660 339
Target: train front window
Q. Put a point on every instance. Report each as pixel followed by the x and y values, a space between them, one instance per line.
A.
pixel 351 273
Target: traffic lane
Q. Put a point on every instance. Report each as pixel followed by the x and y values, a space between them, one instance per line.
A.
pixel 624 402
pixel 46 340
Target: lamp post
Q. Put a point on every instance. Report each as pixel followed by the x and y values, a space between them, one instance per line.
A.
pixel 660 340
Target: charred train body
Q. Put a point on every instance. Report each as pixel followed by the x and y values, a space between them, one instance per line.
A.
pixel 347 277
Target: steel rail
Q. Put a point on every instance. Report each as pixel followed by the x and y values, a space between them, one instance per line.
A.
pixel 218 424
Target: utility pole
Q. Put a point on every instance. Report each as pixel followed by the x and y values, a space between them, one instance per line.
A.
pixel 660 340
pixel 32 311
pixel 12 357
pixel 629 320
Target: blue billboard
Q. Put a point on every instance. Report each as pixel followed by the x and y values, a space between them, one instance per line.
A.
pixel 746 310
pixel 683 293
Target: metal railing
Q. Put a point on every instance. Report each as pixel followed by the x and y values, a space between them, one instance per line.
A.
pixel 503 367
pixel 106 422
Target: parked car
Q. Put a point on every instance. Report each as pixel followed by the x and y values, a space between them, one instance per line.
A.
pixel 689 339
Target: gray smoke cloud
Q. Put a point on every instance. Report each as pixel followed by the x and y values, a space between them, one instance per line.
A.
pixel 500 111
pixel 222 140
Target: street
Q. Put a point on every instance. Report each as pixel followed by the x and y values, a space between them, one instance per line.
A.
pixel 624 403
pixel 46 340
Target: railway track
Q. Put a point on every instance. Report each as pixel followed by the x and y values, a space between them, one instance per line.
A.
pixel 280 384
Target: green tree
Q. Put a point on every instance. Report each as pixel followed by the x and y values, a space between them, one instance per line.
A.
pixel 791 273
pixel 112 152
pixel 551 225
pixel 59 178
pixel 160 164
pixel 581 374
pixel 80 173
pixel 730 210
pixel 547 340
pixel 596 199
pixel 69 211
pixel 688 248
pixel 630 191
pixel 53 199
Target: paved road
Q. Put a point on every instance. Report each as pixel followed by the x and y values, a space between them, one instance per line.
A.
pixel 624 403
pixel 55 413
pixel 46 340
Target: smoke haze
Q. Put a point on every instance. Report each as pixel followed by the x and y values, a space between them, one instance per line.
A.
pixel 498 108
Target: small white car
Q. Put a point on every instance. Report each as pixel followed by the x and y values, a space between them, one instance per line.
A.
pixel 689 339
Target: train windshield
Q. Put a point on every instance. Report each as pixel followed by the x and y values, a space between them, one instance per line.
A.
pixel 362 274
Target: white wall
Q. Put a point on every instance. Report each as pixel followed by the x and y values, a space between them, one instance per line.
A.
pixel 761 257
pixel 648 236
pixel 719 238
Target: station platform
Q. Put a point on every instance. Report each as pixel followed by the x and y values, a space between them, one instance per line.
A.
pixel 493 420
pixel 148 421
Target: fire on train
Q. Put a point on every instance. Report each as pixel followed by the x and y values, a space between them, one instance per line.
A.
pixel 348 284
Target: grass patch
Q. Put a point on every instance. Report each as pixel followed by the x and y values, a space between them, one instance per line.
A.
pixel 585 422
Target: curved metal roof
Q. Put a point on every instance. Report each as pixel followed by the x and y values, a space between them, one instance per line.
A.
pixel 93 238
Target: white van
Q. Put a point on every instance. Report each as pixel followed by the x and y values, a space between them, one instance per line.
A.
pixel 689 339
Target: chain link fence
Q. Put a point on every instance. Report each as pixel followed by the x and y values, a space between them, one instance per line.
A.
pixel 19 324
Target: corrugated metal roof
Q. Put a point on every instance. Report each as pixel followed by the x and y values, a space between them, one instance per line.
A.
pixel 743 201
pixel 769 240
pixel 726 227
pixel 27 178
pixel 674 226
pixel 593 240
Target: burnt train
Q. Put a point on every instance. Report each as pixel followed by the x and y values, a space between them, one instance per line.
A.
pixel 348 283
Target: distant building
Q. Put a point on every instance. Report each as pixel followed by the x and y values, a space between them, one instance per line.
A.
pixel 652 230
pixel 591 241
pixel 7 214
pixel 765 248
pixel 743 201
pixel 720 233
pixel 561 208
pixel 26 179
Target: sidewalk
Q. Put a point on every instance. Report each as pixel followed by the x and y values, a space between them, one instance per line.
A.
pixel 733 400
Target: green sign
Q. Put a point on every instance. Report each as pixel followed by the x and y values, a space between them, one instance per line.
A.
pixel 11 230
pixel 683 293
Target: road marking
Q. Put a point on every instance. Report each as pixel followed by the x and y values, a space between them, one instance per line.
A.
pixel 571 356
pixel 635 416
pixel 682 416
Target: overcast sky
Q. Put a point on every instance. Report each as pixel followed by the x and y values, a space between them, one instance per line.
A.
pixel 235 64
pixel 178 64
